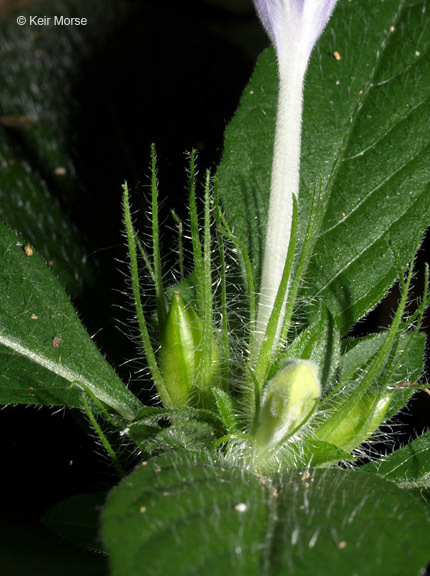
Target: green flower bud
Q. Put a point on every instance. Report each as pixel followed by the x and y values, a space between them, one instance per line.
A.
pixel 180 355
pixel 287 400
pixel 359 424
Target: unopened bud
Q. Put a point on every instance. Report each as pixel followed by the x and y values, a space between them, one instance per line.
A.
pixel 180 357
pixel 180 339
pixel 359 424
pixel 287 401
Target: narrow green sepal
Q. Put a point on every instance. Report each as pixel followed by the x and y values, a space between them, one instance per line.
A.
pixel 227 410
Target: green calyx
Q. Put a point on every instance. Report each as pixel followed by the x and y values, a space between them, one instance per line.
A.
pixel 180 359
pixel 288 399
pixel 363 419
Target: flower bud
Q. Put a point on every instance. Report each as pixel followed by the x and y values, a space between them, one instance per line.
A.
pixel 180 355
pixel 360 423
pixel 287 400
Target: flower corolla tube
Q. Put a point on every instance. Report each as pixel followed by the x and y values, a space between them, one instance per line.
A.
pixel 293 26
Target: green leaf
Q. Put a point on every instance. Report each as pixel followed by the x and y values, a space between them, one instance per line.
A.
pixel 316 453
pixel 408 467
pixel 186 515
pixel 43 346
pixel 189 427
pixel 408 359
pixel 177 515
pixel 77 520
pixel 365 144
pixel 359 535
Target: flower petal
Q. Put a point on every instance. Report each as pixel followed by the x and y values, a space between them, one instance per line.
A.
pixel 270 13
pixel 316 14
pixel 294 23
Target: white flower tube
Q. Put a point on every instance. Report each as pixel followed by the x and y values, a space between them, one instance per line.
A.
pixel 293 26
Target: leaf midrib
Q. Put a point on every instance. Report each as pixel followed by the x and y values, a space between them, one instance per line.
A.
pixel 64 372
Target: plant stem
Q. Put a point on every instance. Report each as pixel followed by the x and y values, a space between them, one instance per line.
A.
pixel 275 321
pixel 103 439
pixel 195 239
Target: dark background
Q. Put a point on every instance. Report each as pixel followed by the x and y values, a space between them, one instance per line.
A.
pixel 156 74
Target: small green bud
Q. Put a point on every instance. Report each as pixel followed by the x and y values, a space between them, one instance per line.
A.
pixel 359 424
pixel 287 400
pixel 180 355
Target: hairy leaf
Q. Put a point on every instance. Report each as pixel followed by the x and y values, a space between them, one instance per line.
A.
pixel 409 466
pixel 188 515
pixel 27 205
pixel 365 146
pixel 408 363
pixel 43 345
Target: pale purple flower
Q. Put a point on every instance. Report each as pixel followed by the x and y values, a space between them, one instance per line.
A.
pixel 294 23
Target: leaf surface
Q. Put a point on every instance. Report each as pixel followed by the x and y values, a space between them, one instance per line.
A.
pixel 408 363
pixel 408 466
pixel 27 205
pixel 43 345
pixel 365 144
pixel 188 515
